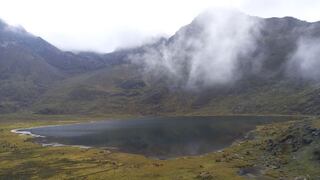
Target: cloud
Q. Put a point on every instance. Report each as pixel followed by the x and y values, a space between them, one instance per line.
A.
pixel 205 53
pixel 305 61
pixel 305 10
pixel 102 25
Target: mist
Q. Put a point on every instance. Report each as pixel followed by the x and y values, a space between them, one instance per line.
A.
pixel 305 62
pixel 206 53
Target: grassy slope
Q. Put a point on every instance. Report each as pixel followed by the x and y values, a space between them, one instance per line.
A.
pixel 118 90
pixel 21 158
pixel 23 77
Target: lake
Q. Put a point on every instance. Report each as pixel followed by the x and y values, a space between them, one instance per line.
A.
pixel 157 137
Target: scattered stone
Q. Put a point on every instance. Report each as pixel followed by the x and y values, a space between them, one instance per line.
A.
pixel 287 139
pixel 301 178
pixel 157 164
pixel 275 167
pixel 120 164
pixel 316 133
pixel 307 141
pixel 316 154
pixel 205 176
pixel 250 171
pixel 236 156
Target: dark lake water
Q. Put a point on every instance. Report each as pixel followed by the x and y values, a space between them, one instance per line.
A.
pixel 159 137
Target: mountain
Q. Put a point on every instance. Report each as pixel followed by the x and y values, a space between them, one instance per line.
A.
pixel 221 63
pixel 29 66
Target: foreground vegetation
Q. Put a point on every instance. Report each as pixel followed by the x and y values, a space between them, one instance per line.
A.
pixel 289 150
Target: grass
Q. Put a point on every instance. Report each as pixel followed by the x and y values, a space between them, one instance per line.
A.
pixel 22 159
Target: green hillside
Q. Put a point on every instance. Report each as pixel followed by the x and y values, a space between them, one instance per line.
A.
pixel 123 90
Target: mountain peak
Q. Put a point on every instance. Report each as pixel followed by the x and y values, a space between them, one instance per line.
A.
pixel 9 28
pixel 219 14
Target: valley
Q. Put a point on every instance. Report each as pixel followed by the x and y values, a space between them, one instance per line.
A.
pixel 222 65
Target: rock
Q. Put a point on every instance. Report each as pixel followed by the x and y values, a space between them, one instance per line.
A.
pixel 157 164
pixel 307 141
pixel 316 155
pixel 315 133
pixel 205 176
pixel 120 164
pixel 287 138
pixel 311 129
pixel 249 171
pixel 301 178
pixel 235 156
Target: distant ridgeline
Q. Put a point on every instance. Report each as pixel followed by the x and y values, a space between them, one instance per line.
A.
pixel 221 63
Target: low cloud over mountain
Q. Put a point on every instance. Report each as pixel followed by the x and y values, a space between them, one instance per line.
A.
pixel 223 62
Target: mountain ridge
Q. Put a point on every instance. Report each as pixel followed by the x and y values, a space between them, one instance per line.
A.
pixel 124 82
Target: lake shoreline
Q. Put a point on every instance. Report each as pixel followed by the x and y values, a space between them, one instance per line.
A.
pixel 28 133
pixel 215 144
pixel 231 163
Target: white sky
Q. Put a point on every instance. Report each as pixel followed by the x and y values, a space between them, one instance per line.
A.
pixel 103 25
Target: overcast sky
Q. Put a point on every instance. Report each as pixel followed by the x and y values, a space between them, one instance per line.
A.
pixel 104 25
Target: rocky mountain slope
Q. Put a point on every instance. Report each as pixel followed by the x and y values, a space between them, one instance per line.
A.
pixel 219 64
pixel 29 66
